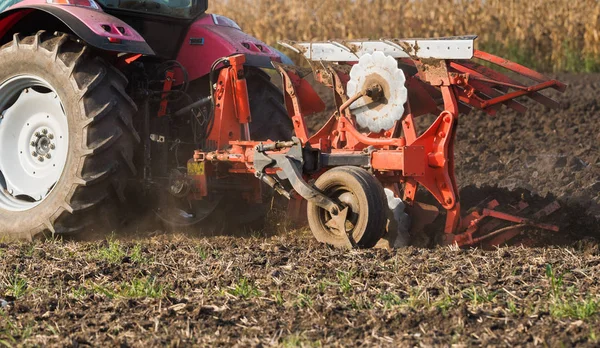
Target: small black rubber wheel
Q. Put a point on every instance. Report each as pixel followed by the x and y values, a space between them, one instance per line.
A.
pixel 358 190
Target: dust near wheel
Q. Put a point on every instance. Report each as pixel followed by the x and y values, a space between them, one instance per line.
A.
pixel 353 188
pixel 231 212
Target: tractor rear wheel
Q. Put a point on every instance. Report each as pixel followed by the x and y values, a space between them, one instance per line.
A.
pixel 66 137
pixel 270 119
pixel 353 188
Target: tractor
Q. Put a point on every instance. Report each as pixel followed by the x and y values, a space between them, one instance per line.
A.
pixel 109 108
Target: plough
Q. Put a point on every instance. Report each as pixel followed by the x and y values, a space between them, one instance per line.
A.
pixel 371 142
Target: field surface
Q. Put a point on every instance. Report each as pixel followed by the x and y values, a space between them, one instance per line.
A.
pixel 157 289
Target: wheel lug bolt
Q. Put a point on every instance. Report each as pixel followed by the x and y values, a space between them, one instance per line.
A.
pixel 52 147
pixel 41 159
pixel 48 156
pixel 45 131
pixel 50 136
pixel 32 143
pixel 37 134
pixel 34 154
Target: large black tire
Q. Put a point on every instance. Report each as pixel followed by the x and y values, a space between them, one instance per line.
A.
pixel 367 212
pixel 270 120
pixel 101 135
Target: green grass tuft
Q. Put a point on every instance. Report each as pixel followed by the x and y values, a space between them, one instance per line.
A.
pixel 345 279
pixel 113 253
pixel 244 288
pixel 15 285
pixel 566 303
pixel 143 288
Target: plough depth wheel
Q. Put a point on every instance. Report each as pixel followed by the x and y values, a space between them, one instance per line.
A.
pixel 353 188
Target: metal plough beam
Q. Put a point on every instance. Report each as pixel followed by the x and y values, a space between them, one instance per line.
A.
pixel 456 47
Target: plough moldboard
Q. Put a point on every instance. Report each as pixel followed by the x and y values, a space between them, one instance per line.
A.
pixel 370 143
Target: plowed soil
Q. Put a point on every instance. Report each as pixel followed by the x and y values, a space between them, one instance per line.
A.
pixel 158 289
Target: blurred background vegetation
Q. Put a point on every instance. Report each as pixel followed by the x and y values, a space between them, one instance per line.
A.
pixel 548 35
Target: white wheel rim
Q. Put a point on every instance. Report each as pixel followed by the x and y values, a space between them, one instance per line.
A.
pixel 34 141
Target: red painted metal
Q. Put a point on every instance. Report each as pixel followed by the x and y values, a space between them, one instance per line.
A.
pixel 240 90
pixel 400 157
pixel 474 68
pixel 506 236
pixel 519 69
pixel 11 19
pixel 132 58
pixel 491 90
pixel 476 223
pixel 90 17
pixel 300 100
pixel 167 84
pixel 207 41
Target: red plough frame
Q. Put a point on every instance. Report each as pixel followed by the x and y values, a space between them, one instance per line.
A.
pixel 400 157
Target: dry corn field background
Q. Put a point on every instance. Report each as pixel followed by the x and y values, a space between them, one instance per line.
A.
pixel 549 35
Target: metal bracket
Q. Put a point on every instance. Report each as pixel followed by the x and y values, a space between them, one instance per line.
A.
pixel 290 171
pixel 459 47
pixel 433 71
pixel 291 164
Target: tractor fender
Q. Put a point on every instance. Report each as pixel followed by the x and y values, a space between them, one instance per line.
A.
pixel 212 37
pixel 95 27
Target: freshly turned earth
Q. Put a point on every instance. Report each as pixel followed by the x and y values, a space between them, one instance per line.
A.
pixel 280 287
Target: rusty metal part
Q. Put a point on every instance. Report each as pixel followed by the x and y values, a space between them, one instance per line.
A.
pixel 433 71
pixel 351 100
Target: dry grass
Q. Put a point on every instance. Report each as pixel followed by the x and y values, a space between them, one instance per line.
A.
pixel 291 291
pixel 551 35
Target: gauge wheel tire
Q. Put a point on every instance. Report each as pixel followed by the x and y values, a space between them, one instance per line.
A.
pixel 358 190
pixel 100 134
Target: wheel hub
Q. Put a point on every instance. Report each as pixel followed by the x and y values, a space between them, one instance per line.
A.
pixel 384 83
pixel 347 199
pixel 33 140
